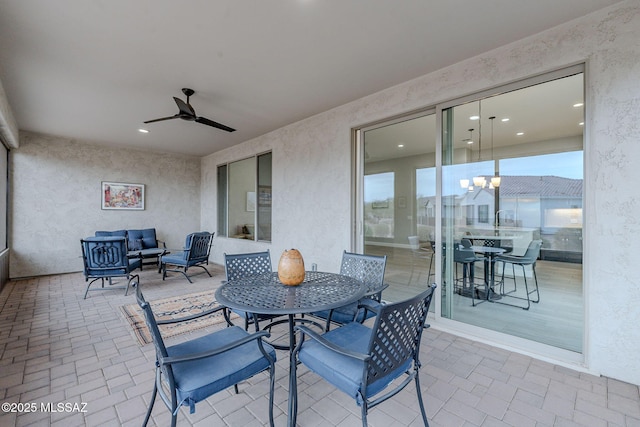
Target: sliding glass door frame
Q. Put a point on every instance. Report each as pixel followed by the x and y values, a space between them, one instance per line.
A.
pixel 444 271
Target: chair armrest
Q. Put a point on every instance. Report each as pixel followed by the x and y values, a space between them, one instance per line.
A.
pixel 378 291
pixel 164 244
pixel 331 346
pixel 191 317
pixel 370 304
pixel 257 336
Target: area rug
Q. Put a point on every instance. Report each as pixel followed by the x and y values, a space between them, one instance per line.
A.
pixel 173 308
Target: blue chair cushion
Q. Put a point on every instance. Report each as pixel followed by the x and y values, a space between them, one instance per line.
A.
pixel 135 245
pixel 346 314
pixel 134 263
pixel 177 258
pixel 147 236
pixel 198 379
pixel 342 371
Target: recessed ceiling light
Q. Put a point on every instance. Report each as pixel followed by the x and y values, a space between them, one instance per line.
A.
pixel 470 142
pixel 581 124
pixel 520 133
pixel 400 145
pixel 474 118
pixel 143 131
pixel 506 119
pixel 579 104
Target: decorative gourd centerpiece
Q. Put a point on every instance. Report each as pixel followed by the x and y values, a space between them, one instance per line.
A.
pixel 291 267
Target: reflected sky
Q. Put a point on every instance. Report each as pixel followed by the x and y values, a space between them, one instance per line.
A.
pixel 566 165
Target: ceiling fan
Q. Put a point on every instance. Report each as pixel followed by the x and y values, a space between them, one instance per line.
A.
pixel 188 113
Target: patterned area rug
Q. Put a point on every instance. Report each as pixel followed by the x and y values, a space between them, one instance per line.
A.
pixel 173 308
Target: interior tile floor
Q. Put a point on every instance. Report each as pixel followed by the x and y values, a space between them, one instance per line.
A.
pixel 56 347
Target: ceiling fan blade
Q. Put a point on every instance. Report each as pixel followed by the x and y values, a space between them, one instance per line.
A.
pixel 208 122
pixel 177 116
pixel 184 107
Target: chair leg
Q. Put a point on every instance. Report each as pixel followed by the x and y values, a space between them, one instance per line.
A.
pixel 293 387
pixel 535 277
pixel 526 288
pixel 364 411
pixel 151 403
pixel 272 379
pixel 419 392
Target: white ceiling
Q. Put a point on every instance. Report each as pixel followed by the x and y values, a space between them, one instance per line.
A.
pixel 95 70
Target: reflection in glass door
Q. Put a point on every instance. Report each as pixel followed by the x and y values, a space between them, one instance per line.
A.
pixel 398 206
pixel 512 212
pixel 502 234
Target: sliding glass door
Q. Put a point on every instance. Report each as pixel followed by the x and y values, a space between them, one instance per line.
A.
pixel 492 210
pixel 398 199
pixel 512 212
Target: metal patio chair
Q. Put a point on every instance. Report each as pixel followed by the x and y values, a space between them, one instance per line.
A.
pixel 196 252
pixel 363 362
pixel 370 270
pixel 238 266
pixel 191 371
pixel 105 258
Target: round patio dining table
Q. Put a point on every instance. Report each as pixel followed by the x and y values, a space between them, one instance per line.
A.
pixel 265 294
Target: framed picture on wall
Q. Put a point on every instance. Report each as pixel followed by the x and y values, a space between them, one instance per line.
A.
pixel 120 195
pixel 251 201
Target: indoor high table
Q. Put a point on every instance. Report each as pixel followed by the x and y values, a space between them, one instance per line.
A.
pixel 265 294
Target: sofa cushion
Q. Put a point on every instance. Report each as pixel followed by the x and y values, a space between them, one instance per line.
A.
pixel 117 233
pixel 147 235
pixel 136 245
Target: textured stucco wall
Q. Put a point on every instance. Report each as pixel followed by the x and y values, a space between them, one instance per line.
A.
pixel 55 186
pixel 312 167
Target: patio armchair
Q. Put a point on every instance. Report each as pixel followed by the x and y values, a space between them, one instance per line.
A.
pixel 196 252
pixel 370 270
pixel 365 362
pixel 191 371
pixel 105 257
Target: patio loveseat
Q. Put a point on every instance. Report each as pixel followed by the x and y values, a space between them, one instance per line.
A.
pixel 142 244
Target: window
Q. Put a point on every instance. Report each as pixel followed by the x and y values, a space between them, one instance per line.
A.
pixel 483 214
pixel 379 205
pixel 244 198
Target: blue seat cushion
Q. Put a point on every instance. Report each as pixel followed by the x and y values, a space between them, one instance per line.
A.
pixel 97 272
pixel 342 371
pixel 346 314
pixel 198 379
pixel 134 263
pixel 177 258
pixel 145 238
